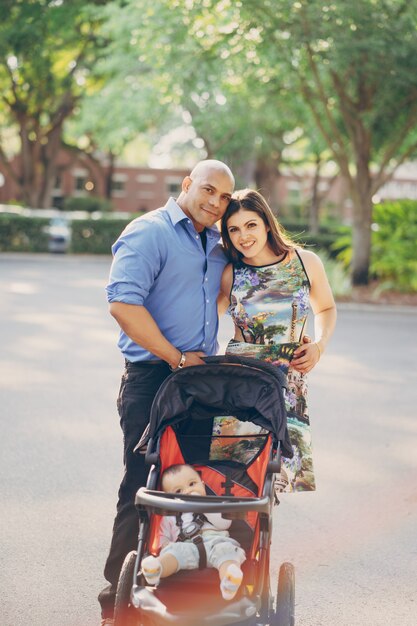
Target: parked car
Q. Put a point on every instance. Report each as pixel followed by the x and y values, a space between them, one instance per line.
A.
pixel 59 234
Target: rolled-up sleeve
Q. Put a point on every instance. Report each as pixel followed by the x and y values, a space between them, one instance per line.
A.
pixel 137 261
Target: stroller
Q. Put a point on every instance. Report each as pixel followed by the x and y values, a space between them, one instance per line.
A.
pixel 227 419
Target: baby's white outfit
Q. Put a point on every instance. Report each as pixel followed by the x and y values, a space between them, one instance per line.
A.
pixel 219 546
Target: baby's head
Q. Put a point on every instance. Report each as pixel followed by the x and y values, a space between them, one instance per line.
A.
pixel 182 479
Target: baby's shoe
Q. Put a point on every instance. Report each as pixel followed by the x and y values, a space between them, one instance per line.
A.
pixel 151 569
pixel 231 582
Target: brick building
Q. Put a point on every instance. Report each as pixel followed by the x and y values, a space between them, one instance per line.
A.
pixel 144 189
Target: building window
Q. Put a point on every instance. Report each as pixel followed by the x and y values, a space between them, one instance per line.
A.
pixel 146 178
pixel 173 185
pixel 58 201
pixel 118 185
pixel 146 195
pixel 80 182
pixel 57 185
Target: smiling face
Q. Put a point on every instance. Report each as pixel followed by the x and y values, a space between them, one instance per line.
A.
pixel 206 195
pixel 248 233
pixel 185 480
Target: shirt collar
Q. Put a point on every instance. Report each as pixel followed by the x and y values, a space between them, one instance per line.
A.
pixel 176 215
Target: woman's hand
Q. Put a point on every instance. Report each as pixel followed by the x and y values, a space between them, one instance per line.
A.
pixel 306 356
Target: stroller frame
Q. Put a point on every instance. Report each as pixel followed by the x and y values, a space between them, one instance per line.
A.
pixel 136 602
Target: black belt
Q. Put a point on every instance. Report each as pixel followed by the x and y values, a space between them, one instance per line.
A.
pixel 133 365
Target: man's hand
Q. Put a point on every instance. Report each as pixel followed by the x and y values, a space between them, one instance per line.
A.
pixel 194 358
pixel 191 358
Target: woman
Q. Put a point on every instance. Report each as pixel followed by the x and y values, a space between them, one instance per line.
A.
pixel 268 288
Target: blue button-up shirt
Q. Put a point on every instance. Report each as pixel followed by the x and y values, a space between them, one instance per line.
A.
pixel 159 263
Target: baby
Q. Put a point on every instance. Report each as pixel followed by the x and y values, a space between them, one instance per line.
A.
pixel 179 552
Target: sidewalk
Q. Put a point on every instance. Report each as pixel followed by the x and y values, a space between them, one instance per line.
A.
pixel 377 307
pixel 364 299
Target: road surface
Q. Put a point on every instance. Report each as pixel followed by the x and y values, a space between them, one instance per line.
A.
pixel 353 542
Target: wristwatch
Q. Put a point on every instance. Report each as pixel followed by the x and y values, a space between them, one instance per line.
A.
pixel 181 363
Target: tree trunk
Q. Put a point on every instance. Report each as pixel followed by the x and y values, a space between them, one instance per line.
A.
pixel 361 232
pixel 266 176
pixel 109 176
pixel 313 214
pixel 29 164
pixel 39 150
pixel 362 206
pixel 48 159
pixel 361 253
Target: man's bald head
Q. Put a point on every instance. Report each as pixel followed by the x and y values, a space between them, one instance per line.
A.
pixel 206 193
pixel 211 165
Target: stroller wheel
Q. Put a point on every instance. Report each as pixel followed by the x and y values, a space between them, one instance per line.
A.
pixel 124 613
pixel 285 607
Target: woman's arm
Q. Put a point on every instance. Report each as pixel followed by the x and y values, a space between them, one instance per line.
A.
pixel 324 309
pixel 223 299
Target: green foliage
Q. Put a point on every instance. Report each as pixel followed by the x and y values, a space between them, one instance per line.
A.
pixel 23 234
pixel 355 65
pixel 89 236
pixel 321 241
pixel 342 248
pixel 47 52
pixel 326 239
pixel 337 274
pixel 194 58
pixel 43 46
pixel 96 236
pixel 394 236
pixel 394 258
pixel 87 203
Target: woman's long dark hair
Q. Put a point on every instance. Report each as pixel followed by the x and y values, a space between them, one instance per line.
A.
pixel 251 200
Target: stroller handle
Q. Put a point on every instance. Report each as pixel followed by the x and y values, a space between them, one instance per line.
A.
pixel 163 503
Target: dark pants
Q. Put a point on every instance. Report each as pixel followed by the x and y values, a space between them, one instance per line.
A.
pixel 140 382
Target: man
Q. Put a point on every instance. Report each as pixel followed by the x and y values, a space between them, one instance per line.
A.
pixel 162 291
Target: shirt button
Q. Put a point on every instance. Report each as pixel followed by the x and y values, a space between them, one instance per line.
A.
pixel 207 300
pixel 188 222
pixel 197 237
pixel 207 323
pixel 203 344
pixel 206 279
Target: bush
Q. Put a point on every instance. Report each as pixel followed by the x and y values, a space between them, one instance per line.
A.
pixel 87 203
pixel 297 230
pixel 96 236
pixel 23 234
pixel 394 238
pixel 393 252
pixel 30 234
pixel 337 274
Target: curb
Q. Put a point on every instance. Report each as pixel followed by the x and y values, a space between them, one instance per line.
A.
pixel 376 308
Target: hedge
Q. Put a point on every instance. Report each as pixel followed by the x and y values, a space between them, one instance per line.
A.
pixel 23 234
pixel 95 236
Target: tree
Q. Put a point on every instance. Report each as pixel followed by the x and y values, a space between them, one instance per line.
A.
pixel 355 65
pixel 47 51
pixel 196 56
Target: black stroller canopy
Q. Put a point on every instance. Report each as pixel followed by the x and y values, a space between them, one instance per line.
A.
pixel 248 389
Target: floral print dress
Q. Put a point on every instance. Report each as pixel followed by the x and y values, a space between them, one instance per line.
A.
pixel 270 305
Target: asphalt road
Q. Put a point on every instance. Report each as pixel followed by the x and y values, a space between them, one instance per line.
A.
pixel 353 542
